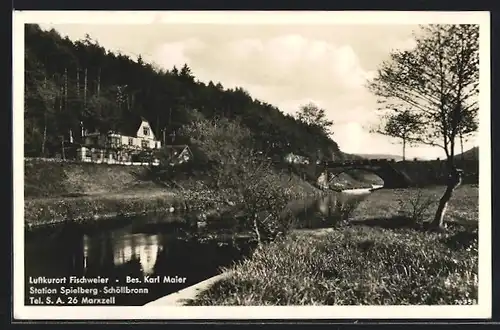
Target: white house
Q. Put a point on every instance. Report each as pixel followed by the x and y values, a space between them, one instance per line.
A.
pixel 133 143
pixel 178 154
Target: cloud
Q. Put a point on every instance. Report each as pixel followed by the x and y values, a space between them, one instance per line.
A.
pixel 306 66
pixel 291 70
pixel 285 60
pixel 351 137
pixel 176 53
pixel 277 70
pixel 288 71
pixel 406 44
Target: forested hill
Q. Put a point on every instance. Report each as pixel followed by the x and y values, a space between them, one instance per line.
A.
pixel 73 82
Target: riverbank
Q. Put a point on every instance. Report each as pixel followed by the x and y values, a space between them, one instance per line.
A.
pixel 54 210
pixel 60 192
pixel 374 260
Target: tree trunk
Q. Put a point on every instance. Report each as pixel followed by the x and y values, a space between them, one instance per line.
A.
pixel 44 133
pixel 85 90
pixel 256 229
pixel 461 147
pixel 99 82
pixel 78 84
pixel 454 180
pixel 404 150
pixel 65 89
pixel 62 148
pixel 44 139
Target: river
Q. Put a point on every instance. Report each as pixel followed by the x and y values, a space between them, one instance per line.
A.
pixel 159 247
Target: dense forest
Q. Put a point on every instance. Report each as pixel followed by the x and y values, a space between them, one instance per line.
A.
pixel 70 84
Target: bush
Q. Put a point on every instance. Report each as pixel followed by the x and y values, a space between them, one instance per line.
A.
pixel 239 175
pixel 416 206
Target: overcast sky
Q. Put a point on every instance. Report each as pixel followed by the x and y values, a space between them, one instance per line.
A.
pixel 285 65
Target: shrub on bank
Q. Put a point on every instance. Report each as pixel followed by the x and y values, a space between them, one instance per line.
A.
pixel 353 266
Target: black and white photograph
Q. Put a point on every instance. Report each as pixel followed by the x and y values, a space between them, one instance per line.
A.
pixel 298 165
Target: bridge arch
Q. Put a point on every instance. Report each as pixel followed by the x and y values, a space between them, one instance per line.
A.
pixel 391 177
pixel 359 174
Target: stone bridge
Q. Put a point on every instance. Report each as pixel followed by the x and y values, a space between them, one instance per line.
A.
pixel 384 168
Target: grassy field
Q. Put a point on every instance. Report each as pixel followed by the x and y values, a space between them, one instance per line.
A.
pixel 376 259
pixel 390 207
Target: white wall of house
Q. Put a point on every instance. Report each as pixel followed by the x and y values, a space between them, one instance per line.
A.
pixel 139 143
pixel 145 131
pixel 93 155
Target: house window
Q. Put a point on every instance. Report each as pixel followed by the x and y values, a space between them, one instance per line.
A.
pixel 145 131
pixel 115 142
pixel 145 143
pixel 130 141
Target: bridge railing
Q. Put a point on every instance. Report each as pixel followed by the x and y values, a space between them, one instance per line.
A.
pixel 357 162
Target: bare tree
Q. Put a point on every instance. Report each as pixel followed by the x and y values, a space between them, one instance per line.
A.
pixel 404 125
pixel 439 80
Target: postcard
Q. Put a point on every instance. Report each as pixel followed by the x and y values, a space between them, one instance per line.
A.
pixel 251 165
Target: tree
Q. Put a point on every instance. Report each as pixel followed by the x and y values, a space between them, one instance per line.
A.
pixel 186 72
pixel 404 125
pixel 439 80
pixel 240 174
pixel 468 126
pixel 312 115
pixel 40 101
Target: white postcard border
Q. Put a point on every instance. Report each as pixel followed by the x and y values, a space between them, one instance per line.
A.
pixel 482 310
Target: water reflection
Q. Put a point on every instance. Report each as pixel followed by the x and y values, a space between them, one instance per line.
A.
pixel 119 252
pixel 327 210
pixel 157 246
pixel 122 247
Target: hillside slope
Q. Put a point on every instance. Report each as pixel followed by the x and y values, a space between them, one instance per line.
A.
pixel 43 179
pixel 74 82
pixel 52 179
pixel 471 154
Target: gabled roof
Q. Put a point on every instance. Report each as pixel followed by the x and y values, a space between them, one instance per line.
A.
pixel 178 147
pixel 130 123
